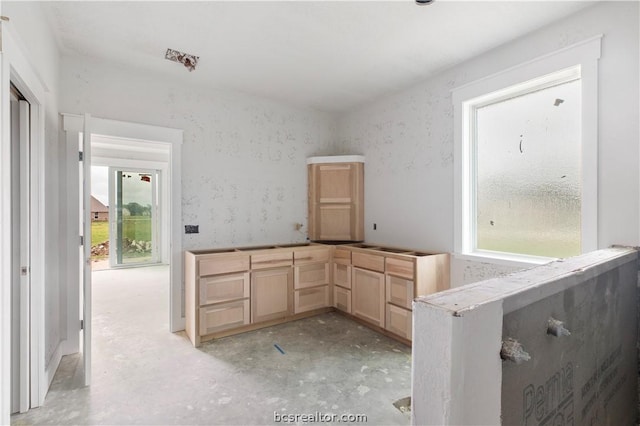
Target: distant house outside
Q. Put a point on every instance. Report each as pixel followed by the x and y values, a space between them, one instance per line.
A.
pixel 99 212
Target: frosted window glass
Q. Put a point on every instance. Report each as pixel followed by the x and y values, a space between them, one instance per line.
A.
pixel 528 173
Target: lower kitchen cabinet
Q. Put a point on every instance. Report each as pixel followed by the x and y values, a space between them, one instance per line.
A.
pixel 342 299
pixel 368 295
pixel 311 275
pixel 308 299
pixel 399 321
pixel 224 288
pixel 229 291
pixel 399 291
pixel 342 275
pixel 224 316
pixel 270 294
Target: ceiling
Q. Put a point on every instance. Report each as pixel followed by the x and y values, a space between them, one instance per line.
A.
pixel 326 55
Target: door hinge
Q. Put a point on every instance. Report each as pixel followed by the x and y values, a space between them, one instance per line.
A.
pixel 81 240
pixel 80 155
pixel 81 324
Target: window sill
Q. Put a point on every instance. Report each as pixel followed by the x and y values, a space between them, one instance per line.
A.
pixel 508 259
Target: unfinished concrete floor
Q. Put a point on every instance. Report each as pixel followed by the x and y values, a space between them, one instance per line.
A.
pixel 143 374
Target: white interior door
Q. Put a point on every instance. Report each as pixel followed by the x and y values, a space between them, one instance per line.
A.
pixel 25 258
pixel 20 255
pixel 85 220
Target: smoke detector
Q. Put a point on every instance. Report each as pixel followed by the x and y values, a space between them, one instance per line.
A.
pixel 186 59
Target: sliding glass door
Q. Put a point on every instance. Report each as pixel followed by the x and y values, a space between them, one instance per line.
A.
pixel 133 216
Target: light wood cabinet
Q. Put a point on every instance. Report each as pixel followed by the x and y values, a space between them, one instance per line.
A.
pixel 312 277
pixel 384 282
pixel 342 275
pixel 271 294
pixel 308 299
pixel 342 299
pixel 224 316
pixel 368 295
pixel 224 288
pixel 336 198
pixel 217 291
pixel 399 321
pixel 399 291
pixel 228 291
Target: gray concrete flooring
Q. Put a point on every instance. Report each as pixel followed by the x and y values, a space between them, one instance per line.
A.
pixel 143 374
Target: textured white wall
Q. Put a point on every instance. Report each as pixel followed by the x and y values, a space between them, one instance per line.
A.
pixel 243 158
pixel 37 42
pixel 407 139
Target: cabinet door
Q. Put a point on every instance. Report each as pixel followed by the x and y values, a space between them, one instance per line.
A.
pixel 311 275
pixel 271 294
pixel 342 299
pixel 223 316
pixel 224 288
pixel 400 291
pixel 308 299
pixel 368 296
pixel 342 275
pixel 399 321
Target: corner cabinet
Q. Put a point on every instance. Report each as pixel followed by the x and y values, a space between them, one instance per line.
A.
pixel 336 198
pixel 383 282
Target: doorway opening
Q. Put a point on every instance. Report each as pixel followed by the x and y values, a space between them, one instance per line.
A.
pixel 127 210
pixel 130 216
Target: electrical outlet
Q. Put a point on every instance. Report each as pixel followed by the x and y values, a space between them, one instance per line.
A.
pixel 191 229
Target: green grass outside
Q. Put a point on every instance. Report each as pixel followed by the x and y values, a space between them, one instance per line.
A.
pixel 137 228
pixel 134 228
pixel 99 232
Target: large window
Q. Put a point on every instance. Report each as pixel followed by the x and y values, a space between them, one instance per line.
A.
pixel 527 182
pixel 526 160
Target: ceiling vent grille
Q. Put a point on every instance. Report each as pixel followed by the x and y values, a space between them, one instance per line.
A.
pixel 186 59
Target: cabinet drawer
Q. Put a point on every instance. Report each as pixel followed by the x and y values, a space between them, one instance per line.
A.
pixel 342 275
pixel 224 316
pixel 311 275
pixel 399 291
pixel 399 321
pixel 400 267
pixel 223 264
pixel 342 256
pixel 224 288
pixel 342 299
pixel 300 257
pixel 311 298
pixel 373 262
pixel 271 259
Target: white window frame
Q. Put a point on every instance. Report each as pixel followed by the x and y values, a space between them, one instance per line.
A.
pixel 580 57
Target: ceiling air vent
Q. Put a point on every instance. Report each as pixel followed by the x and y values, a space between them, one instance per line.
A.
pixel 186 59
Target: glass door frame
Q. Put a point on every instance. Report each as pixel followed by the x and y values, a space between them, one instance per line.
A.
pixel 156 202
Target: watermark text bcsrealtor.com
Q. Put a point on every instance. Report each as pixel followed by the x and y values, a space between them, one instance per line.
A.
pixel 318 417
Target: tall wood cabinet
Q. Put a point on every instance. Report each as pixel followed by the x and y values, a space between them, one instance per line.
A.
pixel 336 198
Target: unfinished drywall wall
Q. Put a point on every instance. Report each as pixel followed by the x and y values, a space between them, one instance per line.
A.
pixel 243 158
pixel 37 42
pixel 588 376
pixel 407 139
